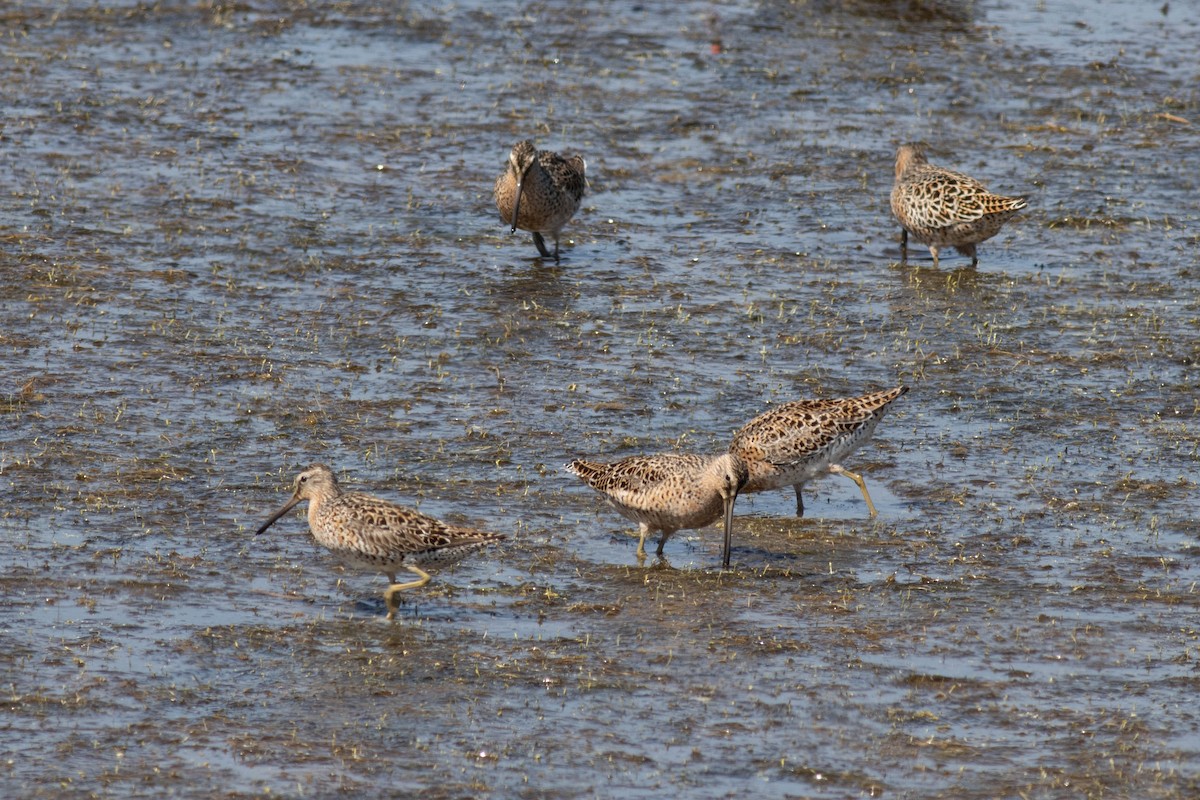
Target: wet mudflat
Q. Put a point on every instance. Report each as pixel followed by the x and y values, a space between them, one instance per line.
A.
pixel 242 237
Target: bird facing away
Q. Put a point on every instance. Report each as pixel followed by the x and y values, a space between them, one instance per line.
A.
pixel 794 442
pixel 941 208
pixel 668 492
pixel 369 533
pixel 539 191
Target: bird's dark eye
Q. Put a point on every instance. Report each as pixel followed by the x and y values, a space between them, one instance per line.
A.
pixel 304 479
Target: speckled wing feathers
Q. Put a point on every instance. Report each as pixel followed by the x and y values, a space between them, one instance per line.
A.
pixel 668 492
pixel 540 191
pixel 390 532
pixel 367 532
pixel 792 432
pixel 932 197
pixel 567 174
pixel 636 475
pixel 795 442
pixel 943 208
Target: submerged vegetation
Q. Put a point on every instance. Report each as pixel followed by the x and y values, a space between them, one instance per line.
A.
pixel 243 237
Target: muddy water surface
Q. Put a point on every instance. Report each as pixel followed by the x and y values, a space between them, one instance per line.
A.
pixel 242 237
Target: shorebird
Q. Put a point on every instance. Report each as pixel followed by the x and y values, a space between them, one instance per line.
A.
pixel 369 533
pixel 539 191
pixel 668 492
pixel 794 442
pixel 941 208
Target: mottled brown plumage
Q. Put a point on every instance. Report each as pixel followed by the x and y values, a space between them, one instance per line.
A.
pixel 668 492
pixel 370 533
pixel 539 191
pixel 941 208
pixel 795 442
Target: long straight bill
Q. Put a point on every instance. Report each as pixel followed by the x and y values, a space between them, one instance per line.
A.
pixel 729 501
pixel 288 506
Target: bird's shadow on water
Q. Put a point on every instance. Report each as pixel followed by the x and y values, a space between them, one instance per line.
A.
pixel 377 609
pixel 428 611
pixel 770 563
pixel 535 272
pixel 440 601
pixel 536 278
pixel 923 268
pixel 947 284
pixel 701 562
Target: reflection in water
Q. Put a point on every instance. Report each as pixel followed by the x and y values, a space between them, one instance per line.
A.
pixel 245 237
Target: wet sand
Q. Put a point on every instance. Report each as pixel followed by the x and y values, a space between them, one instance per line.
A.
pixel 243 237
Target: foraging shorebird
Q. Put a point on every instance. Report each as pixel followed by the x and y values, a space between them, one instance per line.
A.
pixel 668 492
pixel 794 442
pixel 369 533
pixel 941 208
pixel 539 191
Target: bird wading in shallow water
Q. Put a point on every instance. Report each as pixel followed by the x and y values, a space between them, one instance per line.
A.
pixel 539 191
pixel 668 492
pixel 794 442
pixel 369 533
pixel 941 208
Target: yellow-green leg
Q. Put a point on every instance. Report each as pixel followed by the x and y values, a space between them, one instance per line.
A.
pixel 838 469
pixel 389 594
pixel 643 532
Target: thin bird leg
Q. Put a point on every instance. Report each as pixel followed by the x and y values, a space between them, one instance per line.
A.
pixel 541 246
pixel 799 501
pixel 389 594
pixel 904 245
pixel 838 469
pixel 643 532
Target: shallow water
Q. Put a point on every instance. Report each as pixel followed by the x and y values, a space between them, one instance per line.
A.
pixel 243 237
